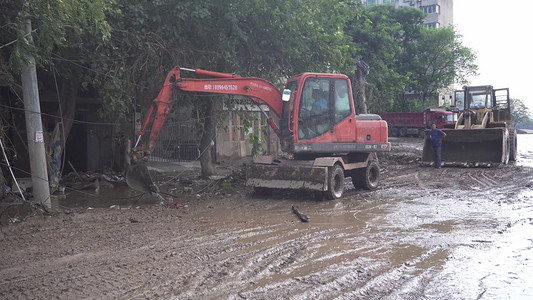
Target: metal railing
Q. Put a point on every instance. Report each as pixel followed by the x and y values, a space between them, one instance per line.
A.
pixel 177 142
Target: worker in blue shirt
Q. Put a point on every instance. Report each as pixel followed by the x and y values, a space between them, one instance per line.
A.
pixel 436 135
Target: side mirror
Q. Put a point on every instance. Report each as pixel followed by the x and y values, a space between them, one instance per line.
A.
pixel 286 96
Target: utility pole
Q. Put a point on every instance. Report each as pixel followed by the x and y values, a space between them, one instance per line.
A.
pixel 34 128
pixel 361 70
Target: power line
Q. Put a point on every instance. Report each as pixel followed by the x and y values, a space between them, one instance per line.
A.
pixel 108 123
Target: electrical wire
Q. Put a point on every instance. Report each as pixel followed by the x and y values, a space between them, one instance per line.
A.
pixel 103 123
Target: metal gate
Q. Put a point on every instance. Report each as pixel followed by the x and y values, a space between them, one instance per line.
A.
pixel 176 142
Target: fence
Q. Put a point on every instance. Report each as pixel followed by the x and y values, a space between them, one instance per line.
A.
pixel 177 142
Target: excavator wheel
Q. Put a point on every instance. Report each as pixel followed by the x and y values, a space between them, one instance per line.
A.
pixel 335 183
pixel 367 178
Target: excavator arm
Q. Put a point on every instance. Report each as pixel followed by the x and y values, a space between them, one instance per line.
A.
pixel 258 90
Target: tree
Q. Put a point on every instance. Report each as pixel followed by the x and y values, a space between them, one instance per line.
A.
pixel 380 35
pixel 436 60
pixel 268 39
pixel 520 114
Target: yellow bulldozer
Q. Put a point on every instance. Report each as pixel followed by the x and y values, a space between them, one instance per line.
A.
pixel 482 135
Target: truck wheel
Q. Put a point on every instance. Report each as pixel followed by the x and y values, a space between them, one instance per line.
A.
pixel 512 151
pixel 367 178
pixel 403 132
pixel 395 131
pixel 421 132
pixel 335 183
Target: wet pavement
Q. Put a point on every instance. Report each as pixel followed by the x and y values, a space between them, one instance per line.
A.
pixel 450 233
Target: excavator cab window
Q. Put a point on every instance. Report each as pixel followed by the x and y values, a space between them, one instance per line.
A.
pixel 314 108
pixel 342 100
pixel 287 116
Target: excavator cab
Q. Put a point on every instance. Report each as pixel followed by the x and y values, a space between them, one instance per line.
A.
pixel 319 118
pixel 481 134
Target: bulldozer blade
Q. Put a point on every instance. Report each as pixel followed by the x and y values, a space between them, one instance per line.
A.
pixel 287 174
pixel 139 179
pixel 471 146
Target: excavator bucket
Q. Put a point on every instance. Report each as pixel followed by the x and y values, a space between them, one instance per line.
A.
pixel 139 179
pixel 488 146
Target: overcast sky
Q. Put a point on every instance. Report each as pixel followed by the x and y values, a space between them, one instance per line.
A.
pixel 499 32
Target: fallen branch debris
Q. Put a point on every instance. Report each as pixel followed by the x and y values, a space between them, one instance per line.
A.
pixel 301 216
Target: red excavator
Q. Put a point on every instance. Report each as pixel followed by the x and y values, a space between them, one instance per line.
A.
pixel 318 127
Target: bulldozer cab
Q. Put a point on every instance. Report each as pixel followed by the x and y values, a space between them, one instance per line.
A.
pixel 482 107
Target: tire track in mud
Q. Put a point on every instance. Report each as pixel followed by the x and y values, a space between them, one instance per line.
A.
pixel 253 268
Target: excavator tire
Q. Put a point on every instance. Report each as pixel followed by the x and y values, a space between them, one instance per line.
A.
pixel 335 183
pixel 366 178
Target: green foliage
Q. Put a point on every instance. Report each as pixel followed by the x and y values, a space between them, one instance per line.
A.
pixel 405 57
pixel 380 35
pixel 56 25
pixel 435 60
pixel 400 104
pixel 520 114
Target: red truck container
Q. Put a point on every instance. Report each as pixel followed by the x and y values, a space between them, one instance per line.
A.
pixel 414 123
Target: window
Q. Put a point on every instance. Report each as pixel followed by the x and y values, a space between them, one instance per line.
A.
pixel 432 25
pixel 479 97
pixel 342 100
pixel 313 112
pixel 431 9
pixel 388 1
pixel 451 118
pixel 460 100
pixel 372 2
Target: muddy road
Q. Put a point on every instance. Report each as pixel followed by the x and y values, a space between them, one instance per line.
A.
pixel 450 233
